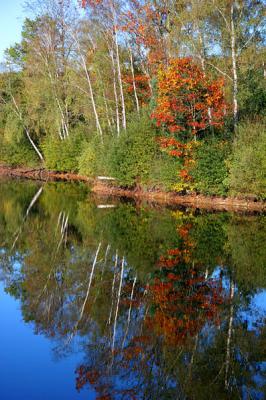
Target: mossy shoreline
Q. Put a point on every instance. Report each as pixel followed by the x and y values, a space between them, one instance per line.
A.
pixel 109 190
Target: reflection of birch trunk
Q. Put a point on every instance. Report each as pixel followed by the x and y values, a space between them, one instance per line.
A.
pixel 63 230
pixel 33 201
pixel 118 302
pixel 129 311
pixel 87 293
pixel 229 334
pixel 113 287
pixel 105 260
pixel 193 357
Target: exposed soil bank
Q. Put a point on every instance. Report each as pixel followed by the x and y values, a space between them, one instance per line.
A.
pixel 41 174
pixel 153 196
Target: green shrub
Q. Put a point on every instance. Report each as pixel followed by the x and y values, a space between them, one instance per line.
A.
pixel 132 153
pixel 164 172
pixel 87 161
pixel 93 158
pixel 19 153
pixel 210 171
pixel 248 162
pixel 15 149
pixel 252 93
pixel 63 155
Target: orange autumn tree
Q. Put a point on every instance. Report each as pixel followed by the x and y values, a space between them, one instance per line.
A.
pixel 188 101
pixel 188 104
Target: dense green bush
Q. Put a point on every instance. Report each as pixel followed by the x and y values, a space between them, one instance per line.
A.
pixel 252 93
pixel 63 155
pixel 18 153
pixel 210 171
pixel 133 152
pixel 164 172
pixel 87 161
pixel 248 162
pixel 94 157
pixel 15 149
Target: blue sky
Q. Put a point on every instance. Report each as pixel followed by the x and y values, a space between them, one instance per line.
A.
pixel 11 20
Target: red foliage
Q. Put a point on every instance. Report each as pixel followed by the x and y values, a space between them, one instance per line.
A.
pixel 187 100
pixel 142 86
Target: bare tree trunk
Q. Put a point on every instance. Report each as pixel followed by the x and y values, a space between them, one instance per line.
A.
pixel 63 130
pixel 234 66
pixel 124 121
pixel 133 80
pixel 98 125
pixel 88 78
pixel 202 56
pixel 115 93
pixel 107 110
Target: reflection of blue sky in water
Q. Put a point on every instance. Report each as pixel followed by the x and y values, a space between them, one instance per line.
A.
pixel 27 365
pixel 254 315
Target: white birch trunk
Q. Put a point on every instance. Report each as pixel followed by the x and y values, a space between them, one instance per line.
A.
pixel 234 65
pixel 88 78
pixel 133 80
pixel 115 93
pixel 124 122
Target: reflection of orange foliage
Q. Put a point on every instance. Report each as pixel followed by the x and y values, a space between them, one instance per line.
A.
pixel 132 352
pixel 141 339
pixel 178 255
pixel 181 296
pixel 85 376
pixel 184 230
pixel 184 303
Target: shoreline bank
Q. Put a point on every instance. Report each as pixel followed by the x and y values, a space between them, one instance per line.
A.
pixel 153 196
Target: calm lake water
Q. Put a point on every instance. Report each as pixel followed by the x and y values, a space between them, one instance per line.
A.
pixel 128 302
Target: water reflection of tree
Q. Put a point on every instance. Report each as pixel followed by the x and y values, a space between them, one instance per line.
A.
pixel 140 291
